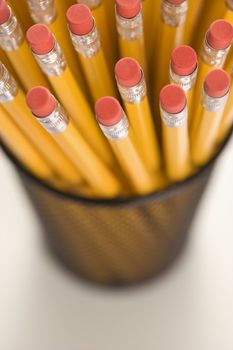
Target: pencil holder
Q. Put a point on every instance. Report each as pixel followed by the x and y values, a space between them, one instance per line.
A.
pixel 117 242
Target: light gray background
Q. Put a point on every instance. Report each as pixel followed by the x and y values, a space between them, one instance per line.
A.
pixel 188 308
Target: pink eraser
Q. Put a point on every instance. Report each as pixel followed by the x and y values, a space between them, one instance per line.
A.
pixel 217 83
pixel 4 12
pixel 108 111
pixel 79 19
pixel 220 34
pixel 172 99
pixel 128 72
pixel 128 8
pixel 40 39
pixel 175 2
pixel 40 101
pixel 183 60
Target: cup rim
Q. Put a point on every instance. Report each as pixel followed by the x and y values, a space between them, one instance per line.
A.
pixel 116 202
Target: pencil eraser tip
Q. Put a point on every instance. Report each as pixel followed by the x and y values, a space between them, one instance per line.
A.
pixel 40 39
pixel 4 12
pixel 108 111
pixel 183 60
pixel 220 34
pixel 128 8
pixel 217 83
pixel 79 19
pixel 40 101
pixel 128 72
pixel 172 99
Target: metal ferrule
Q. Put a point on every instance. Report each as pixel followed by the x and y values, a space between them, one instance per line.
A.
pixel 42 11
pixel 52 63
pixel 134 94
pixel 56 122
pixel 211 56
pixel 173 15
pixel 130 29
pixel 87 45
pixel 229 4
pixel 185 82
pixel 8 86
pixel 91 3
pixel 11 35
pixel 213 104
pixel 174 120
pixel 116 132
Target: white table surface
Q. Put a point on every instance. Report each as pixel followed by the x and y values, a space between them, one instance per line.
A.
pixel 189 308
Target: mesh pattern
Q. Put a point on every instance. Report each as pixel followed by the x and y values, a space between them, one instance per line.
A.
pixel 118 245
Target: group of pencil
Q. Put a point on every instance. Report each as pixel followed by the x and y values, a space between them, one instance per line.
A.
pixel 67 69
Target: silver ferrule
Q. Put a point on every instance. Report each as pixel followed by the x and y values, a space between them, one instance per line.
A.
pixel 174 120
pixel 91 3
pixel 8 86
pixel 173 15
pixel 87 45
pixel 213 104
pixel 11 35
pixel 42 11
pixel 118 131
pixel 133 94
pixel 56 122
pixel 211 56
pixel 52 63
pixel 186 82
pixel 229 4
pixel 130 28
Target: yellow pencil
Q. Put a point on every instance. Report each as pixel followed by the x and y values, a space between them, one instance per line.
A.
pixel 133 91
pixel 101 16
pixel 23 149
pixel 183 71
pixel 110 11
pixel 173 15
pixel 115 126
pixel 130 29
pixel 52 13
pixel 174 114
pixel 213 55
pixel 207 123
pixel 195 9
pixel 55 120
pixel 227 119
pixel 13 101
pixel 13 43
pixel 85 38
pixel 51 60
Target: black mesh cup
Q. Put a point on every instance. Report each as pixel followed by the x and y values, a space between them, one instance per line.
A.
pixel 117 242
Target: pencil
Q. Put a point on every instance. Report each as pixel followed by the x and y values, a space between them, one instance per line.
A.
pixel 13 43
pixel 207 123
pixel 23 149
pixel 171 33
pixel 50 114
pixel 115 126
pixel 85 37
pixel 130 29
pixel 52 61
pixel 52 14
pixel 183 71
pixel 13 101
pixel 100 13
pixel 214 51
pixel 176 147
pixel 133 91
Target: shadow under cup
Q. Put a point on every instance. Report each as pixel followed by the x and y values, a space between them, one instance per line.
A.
pixel 117 242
